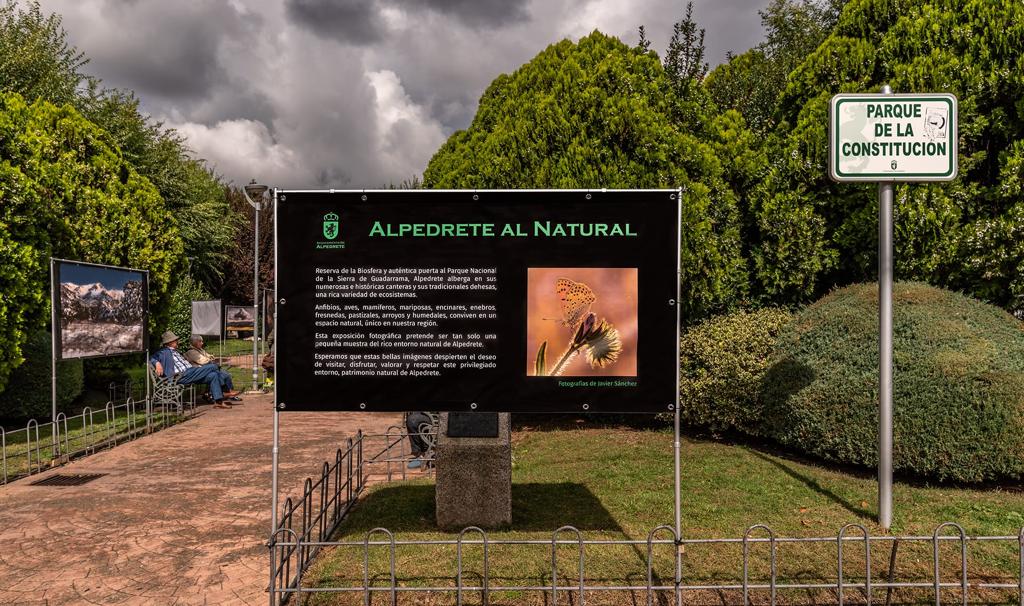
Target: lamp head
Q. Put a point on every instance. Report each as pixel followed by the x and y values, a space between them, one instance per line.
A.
pixel 254 193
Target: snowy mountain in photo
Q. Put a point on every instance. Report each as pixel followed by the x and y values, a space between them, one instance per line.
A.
pixel 95 291
pixel 96 303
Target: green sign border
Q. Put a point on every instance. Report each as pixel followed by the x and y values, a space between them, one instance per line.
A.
pixel 947 98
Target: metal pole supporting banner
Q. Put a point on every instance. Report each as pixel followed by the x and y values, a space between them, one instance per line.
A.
pixel 149 401
pixel 277 433
pixel 676 422
pixel 885 203
pixel 54 335
pixel 255 290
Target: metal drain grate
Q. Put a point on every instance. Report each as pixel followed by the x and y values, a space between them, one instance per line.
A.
pixel 68 479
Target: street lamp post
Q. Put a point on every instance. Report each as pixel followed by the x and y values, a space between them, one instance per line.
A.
pixel 255 194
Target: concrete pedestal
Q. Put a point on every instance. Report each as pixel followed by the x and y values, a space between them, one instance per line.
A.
pixel 474 478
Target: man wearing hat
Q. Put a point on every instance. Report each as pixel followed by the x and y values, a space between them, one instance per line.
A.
pixel 171 364
pixel 197 356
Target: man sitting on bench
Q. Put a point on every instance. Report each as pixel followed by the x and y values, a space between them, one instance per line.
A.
pixel 171 364
pixel 198 356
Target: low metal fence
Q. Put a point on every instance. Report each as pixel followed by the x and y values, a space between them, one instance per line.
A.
pixel 765 567
pixel 866 584
pixel 310 520
pixel 40 446
pixel 120 391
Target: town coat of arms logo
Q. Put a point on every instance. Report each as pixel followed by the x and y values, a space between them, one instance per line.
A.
pixel 331 226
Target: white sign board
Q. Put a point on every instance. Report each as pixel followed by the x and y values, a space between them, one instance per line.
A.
pixel 876 137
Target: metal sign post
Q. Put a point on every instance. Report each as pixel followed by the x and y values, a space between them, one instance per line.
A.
pixel 885 355
pixel 890 138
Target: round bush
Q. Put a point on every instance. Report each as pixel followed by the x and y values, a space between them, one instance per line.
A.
pixel 958 387
pixel 27 394
pixel 723 362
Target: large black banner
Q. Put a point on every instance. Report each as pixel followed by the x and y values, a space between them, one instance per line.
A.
pixel 523 301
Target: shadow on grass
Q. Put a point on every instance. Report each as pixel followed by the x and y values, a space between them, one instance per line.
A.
pixel 813 485
pixel 535 508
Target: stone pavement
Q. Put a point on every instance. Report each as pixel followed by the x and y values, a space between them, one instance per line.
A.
pixel 181 517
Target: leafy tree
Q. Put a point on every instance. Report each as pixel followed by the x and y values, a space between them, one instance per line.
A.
pixel 684 59
pixel 964 235
pixel 600 114
pixel 752 82
pixel 37 62
pixel 35 57
pixel 643 44
pixel 187 290
pixel 27 394
pixel 65 191
pixel 193 193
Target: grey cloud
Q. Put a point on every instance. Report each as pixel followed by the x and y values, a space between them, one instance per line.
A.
pixel 165 52
pixel 188 70
pixel 332 177
pixel 264 88
pixel 485 13
pixel 232 99
pixel 350 21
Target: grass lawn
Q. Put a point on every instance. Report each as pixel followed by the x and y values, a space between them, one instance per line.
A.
pixel 232 347
pixel 617 483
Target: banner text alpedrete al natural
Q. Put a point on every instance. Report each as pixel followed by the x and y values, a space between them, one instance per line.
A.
pixel 514 230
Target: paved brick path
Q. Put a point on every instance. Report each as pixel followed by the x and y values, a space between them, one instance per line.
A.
pixel 181 517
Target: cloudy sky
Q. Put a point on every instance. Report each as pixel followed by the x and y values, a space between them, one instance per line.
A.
pixel 346 93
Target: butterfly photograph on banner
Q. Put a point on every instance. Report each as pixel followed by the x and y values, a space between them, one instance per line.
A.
pixel 581 321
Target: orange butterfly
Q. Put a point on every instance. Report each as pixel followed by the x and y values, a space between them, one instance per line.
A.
pixel 575 299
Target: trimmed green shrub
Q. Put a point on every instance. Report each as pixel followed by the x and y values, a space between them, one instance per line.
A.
pixel 958 389
pixel 28 390
pixel 723 362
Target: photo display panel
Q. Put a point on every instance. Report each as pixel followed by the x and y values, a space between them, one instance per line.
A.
pixel 101 310
pixel 500 301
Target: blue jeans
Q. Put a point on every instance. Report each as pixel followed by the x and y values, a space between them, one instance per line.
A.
pixel 208 374
pixel 225 377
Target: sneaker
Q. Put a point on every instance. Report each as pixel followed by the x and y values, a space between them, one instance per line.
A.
pixel 415 464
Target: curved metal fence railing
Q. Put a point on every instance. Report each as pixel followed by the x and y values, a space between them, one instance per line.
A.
pixel 38 447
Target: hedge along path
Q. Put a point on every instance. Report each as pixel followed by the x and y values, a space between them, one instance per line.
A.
pixel 182 515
